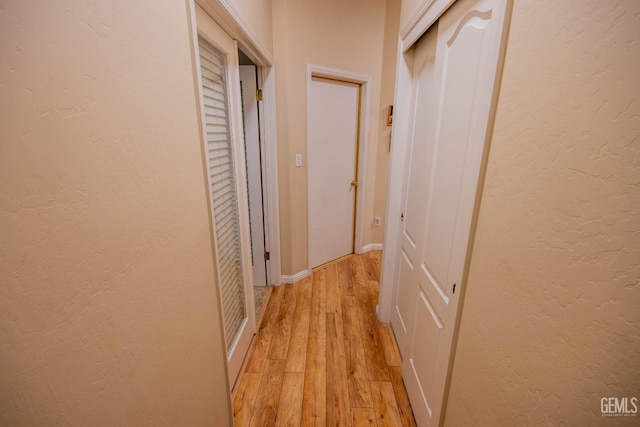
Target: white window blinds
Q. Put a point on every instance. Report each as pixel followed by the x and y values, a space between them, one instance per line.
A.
pixel 223 188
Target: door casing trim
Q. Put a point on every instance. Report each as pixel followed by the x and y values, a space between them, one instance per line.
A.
pixel 425 15
pixel 365 104
pixel 226 14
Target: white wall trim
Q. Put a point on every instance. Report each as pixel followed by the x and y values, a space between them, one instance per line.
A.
pixel 399 138
pixel 296 277
pixel 267 108
pixel 365 82
pixel 371 247
pixel 415 17
pixel 225 13
pixel 427 12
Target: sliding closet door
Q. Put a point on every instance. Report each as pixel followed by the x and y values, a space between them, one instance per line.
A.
pixel 221 117
pixel 454 76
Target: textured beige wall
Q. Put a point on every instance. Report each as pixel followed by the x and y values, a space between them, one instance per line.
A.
pixel 258 14
pixel 551 318
pixel 108 310
pixel 344 35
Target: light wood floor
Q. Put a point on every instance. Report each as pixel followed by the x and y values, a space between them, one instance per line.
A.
pixel 321 357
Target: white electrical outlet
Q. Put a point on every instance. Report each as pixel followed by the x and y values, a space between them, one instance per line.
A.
pixel 298 160
pixel 377 221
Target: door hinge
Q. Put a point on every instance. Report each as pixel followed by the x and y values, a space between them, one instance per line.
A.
pixel 402 216
pixel 266 256
pixel 259 94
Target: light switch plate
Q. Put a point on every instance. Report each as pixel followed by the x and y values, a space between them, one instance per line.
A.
pixel 298 160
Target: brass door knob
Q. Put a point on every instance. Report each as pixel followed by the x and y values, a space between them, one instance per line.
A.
pixel 354 183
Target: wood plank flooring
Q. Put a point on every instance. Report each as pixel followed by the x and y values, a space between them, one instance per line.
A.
pixel 321 358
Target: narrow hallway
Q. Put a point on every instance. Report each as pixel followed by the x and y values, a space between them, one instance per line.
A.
pixel 321 357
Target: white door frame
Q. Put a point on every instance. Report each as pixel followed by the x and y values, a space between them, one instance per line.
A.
pixel 418 24
pixel 425 16
pixel 427 13
pixel 255 166
pixel 365 83
pixel 208 29
pixel 226 14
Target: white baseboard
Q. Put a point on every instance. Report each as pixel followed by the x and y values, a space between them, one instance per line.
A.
pixel 371 247
pixel 284 279
pixel 296 277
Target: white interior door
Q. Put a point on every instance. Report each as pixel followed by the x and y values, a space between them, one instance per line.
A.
pixel 248 86
pixel 221 111
pixel 332 130
pixel 454 69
